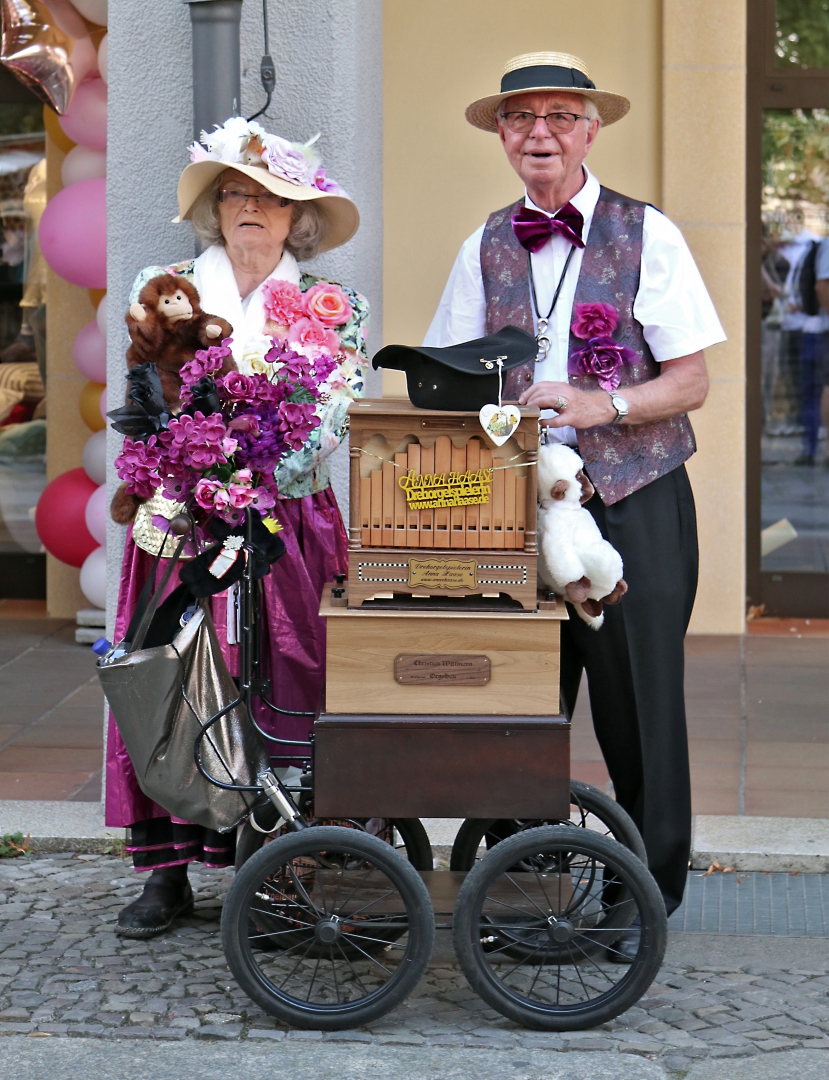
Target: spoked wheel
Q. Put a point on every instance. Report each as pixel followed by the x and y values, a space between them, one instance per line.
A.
pixel 406 835
pixel 327 928
pixel 533 928
pixel 589 809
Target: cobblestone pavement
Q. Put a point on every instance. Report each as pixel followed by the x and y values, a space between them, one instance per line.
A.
pixel 64 972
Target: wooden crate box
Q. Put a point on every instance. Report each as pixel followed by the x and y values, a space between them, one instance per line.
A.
pixel 500 663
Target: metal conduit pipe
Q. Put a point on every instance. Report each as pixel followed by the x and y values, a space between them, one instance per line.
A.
pixel 216 61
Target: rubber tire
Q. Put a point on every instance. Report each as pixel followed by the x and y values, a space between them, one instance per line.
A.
pixel 607 810
pixel 619 822
pixel 632 985
pixel 235 916
pixel 412 833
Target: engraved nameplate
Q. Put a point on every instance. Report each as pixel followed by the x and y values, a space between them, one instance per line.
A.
pixel 443 573
pixel 453 669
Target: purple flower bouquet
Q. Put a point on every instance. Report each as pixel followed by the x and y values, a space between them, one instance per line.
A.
pixel 219 453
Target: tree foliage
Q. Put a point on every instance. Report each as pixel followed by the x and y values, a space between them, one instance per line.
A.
pixel 802 33
pixel 796 155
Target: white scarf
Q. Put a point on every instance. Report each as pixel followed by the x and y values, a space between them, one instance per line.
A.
pixel 219 294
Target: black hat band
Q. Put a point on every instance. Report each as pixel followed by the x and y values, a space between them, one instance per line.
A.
pixel 528 78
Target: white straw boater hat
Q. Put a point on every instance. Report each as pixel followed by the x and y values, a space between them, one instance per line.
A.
pixel 545 71
pixel 292 170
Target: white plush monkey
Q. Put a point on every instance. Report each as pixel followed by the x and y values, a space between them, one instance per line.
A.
pixel 574 558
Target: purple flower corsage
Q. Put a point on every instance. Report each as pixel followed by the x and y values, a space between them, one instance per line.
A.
pixel 601 356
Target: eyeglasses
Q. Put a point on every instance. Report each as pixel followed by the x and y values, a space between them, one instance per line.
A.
pixel 237 199
pixel 558 123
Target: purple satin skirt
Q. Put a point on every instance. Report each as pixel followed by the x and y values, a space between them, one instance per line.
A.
pixel 293 643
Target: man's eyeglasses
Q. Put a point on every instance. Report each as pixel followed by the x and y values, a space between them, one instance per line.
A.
pixel 237 199
pixel 558 123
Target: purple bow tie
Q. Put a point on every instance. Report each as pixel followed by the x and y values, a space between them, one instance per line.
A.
pixel 533 229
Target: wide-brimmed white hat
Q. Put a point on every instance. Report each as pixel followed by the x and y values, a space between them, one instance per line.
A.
pixel 292 170
pixel 546 71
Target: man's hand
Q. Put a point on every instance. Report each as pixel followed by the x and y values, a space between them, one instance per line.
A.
pixel 680 387
pixel 585 408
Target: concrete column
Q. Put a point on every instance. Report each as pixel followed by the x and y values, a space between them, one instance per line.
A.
pixel 329 79
pixel 704 185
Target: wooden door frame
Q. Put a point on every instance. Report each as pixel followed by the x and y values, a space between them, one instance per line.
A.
pixel 768 87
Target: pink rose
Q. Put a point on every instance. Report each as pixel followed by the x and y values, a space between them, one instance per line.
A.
pixel 205 492
pixel 238 387
pixel 284 302
pixel 310 337
pixel 594 320
pixel 328 304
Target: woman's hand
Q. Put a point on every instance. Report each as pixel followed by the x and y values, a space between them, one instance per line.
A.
pixel 584 408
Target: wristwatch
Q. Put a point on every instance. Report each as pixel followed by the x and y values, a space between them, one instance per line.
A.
pixel 621 406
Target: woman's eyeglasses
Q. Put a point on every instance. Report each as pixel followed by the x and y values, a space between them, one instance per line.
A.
pixel 237 199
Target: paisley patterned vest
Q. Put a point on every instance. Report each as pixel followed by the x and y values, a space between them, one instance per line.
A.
pixel 619 459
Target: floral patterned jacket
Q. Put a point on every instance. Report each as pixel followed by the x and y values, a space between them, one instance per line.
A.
pixel 305 472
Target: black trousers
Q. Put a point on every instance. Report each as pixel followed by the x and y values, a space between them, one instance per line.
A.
pixel 635 669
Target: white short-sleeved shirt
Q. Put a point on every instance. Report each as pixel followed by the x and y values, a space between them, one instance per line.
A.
pixel 672 303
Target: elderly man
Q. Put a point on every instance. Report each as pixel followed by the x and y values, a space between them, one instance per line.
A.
pixel 573 248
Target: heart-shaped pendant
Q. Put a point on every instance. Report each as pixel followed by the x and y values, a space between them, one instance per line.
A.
pixel 500 421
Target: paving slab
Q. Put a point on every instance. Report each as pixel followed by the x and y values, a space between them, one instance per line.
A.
pixel 796 1065
pixel 66 1059
pixel 59 826
pixel 782 844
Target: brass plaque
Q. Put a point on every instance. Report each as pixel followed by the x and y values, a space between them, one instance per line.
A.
pixel 443 573
pixel 452 669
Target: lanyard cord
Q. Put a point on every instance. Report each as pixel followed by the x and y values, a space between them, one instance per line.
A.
pixel 544 320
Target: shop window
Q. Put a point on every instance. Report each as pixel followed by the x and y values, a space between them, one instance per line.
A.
pixel 22 349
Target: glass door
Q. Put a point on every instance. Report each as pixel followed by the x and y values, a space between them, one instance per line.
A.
pixel 788 343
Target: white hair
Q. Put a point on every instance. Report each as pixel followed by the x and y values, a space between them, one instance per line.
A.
pixel 589 108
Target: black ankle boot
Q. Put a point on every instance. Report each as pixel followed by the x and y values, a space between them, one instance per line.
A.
pixel 626 948
pixel 166 895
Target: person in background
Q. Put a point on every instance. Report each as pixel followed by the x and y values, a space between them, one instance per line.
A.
pixel 818 413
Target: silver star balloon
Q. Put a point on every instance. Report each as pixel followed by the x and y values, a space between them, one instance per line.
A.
pixel 37 52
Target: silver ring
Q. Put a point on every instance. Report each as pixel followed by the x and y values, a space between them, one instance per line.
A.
pixel 561 404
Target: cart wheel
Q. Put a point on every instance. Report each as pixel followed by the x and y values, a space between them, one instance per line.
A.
pixel 533 928
pixel 590 809
pixel 327 928
pixel 406 835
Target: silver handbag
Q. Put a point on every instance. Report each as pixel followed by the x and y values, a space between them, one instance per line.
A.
pixel 175 701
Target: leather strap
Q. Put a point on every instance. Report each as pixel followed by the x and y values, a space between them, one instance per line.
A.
pixel 148 600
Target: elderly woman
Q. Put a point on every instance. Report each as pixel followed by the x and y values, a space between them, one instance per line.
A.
pixel 258 205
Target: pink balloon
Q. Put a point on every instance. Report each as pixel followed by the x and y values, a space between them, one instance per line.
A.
pixel 73 234
pixel 84 57
pixel 104 406
pixel 89 352
pixel 95 514
pixel 85 121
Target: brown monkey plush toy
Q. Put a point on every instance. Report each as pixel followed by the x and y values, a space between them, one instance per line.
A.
pixel 167 327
